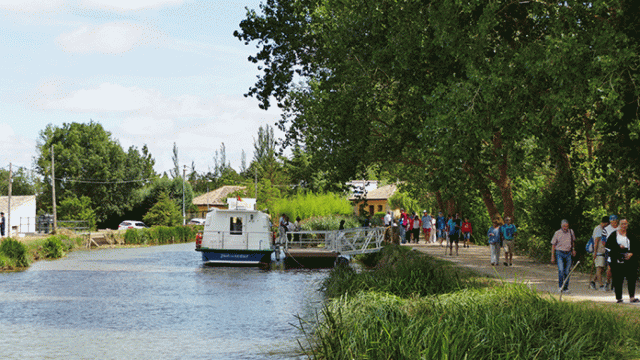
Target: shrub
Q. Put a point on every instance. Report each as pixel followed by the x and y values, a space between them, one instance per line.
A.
pixel 53 248
pixel 331 222
pixel 16 251
pixel 309 204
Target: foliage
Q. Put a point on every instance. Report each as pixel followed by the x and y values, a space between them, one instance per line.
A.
pixel 330 222
pixel 410 306
pixel 159 235
pixel 23 182
pixel 15 251
pixel 53 248
pixel 309 204
pixel 505 322
pixel 72 208
pixel 398 271
pixel 89 163
pixel 465 100
pixel 165 212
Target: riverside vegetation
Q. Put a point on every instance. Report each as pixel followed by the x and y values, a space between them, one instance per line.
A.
pixel 411 306
pixel 16 255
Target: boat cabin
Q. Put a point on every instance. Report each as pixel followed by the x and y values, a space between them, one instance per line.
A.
pixel 240 227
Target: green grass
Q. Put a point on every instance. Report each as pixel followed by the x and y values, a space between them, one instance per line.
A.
pixel 410 306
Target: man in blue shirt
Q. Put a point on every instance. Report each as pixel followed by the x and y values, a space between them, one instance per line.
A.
pixel 508 231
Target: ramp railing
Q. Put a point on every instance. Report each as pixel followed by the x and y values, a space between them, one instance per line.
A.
pixel 344 242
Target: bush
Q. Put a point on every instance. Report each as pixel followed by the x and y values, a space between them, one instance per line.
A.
pixel 398 271
pixel 53 248
pixel 331 222
pixel 16 251
pixel 159 235
pixel 309 204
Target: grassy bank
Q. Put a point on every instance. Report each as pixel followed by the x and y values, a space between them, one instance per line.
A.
pixel 452 314
pixel 15 255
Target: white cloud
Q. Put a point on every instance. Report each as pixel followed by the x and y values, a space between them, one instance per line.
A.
pixel 111 38
pixel 30 5
pixel 128 5
pixel 106 97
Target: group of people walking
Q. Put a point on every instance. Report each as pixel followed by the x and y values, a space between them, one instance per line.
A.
pixel 437 229
pixel 614 258
pixel 502 235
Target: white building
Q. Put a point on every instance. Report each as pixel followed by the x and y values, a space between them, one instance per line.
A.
pixel 23 214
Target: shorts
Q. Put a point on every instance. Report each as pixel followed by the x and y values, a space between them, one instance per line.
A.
pixel 467 235
pixel 427 232
pixel 600 261
pixel 509 246
pixel 441 233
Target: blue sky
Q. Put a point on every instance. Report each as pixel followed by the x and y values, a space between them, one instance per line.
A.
pixel 151 72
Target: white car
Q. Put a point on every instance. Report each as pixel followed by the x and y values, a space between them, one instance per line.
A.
pixel 196 221
pixel 131 224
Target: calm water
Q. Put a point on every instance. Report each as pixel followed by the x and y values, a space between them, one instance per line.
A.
pixel 151 303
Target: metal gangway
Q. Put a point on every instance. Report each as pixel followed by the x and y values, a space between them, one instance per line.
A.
pixel 340 242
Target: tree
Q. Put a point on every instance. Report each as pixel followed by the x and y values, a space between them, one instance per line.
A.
pixel 89 163
pixel 165 212
pixel 175 172
pixel 72 208
pixel 447 94
pixel 24 183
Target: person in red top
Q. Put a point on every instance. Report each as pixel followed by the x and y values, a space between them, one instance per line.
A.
pixel 409 227
pixel 466 232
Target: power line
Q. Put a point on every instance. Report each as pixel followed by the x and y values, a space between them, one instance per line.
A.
pixel 102 181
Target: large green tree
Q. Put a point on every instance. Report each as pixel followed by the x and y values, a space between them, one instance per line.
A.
pixel 451 95
pixel 89 163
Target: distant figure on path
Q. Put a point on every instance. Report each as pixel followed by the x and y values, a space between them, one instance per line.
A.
pixel 2 224
pixel 562 249
pixel 494 242
pixel 426 226
pixel 441 224
pixel 509 232
pixel 599 254
pixel 416 228
pixel 624 250
pixel 466 232
pixel 613 226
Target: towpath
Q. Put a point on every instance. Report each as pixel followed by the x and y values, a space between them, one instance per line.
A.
pixel 543 277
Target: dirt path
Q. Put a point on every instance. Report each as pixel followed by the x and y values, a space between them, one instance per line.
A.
pixel 543 277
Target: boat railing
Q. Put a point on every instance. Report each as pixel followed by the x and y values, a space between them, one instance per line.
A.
pixel 344 242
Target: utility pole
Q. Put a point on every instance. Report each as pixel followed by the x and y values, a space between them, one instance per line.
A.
pixel 255 182
pixel 9 203
pixel 53 193
pixel 184 215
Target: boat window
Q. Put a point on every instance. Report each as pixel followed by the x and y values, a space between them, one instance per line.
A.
pixel 235 226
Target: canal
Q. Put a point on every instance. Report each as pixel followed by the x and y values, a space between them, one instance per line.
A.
pixel 153 303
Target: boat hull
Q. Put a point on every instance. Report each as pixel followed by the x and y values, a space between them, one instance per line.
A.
pixel 235 257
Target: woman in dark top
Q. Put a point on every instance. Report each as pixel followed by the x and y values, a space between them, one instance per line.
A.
pixel 624 251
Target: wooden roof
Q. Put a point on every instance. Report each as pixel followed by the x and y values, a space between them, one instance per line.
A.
pixel 381 193
pixel 217 197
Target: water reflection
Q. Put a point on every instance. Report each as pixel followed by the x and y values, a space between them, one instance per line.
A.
pixel 158 302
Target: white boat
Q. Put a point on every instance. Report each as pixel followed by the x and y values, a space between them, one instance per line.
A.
pixel 239 235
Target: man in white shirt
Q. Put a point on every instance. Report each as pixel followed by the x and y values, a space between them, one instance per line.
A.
pixel 613 226
pixel 387 219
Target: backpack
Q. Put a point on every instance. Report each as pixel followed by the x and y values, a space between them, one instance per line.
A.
pixel 589 246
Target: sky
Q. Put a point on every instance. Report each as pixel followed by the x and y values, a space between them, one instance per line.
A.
pixel 154 72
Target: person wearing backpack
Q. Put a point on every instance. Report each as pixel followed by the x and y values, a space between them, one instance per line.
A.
pixel 598 250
